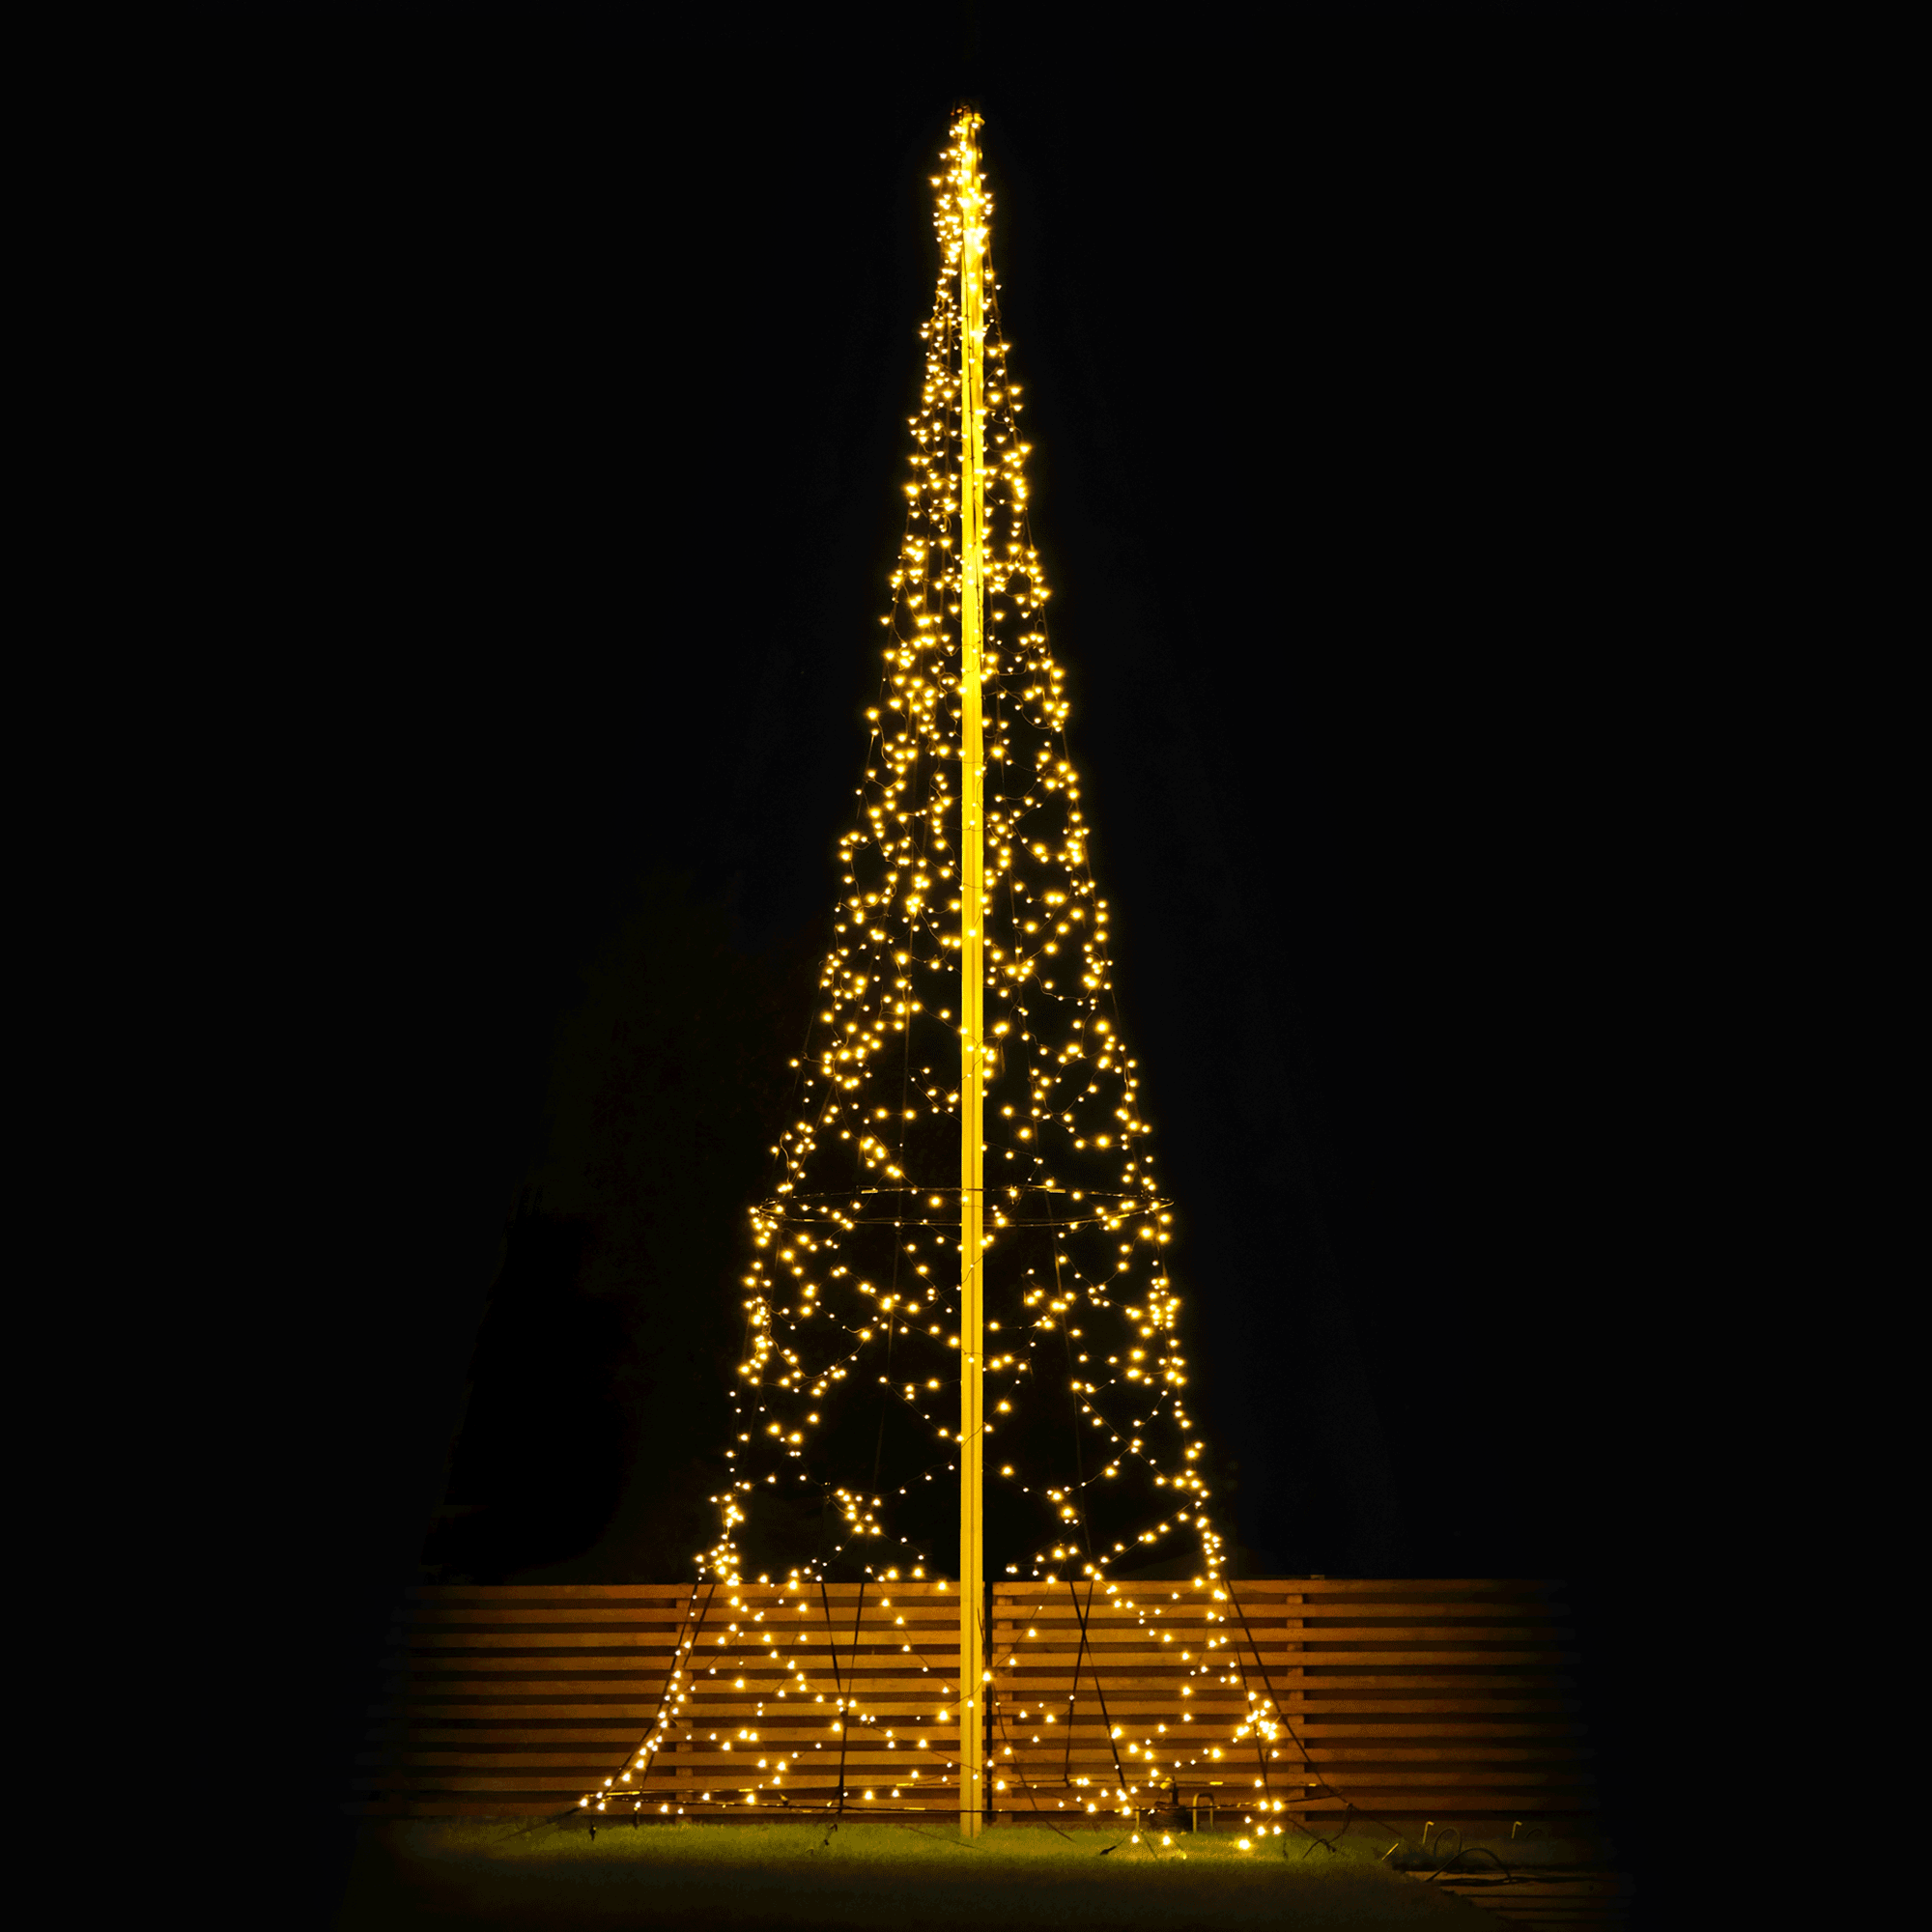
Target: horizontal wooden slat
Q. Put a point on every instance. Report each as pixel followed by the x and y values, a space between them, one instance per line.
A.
pixel 1129 1659
pixel 478 1664
pixel 638 1691
pixel 1227 1735
pixel 453 1652
pixel 1194 1602
pixel 1077 1610
pixel 1270 1637
pixel 1498 1729
pixel 436 1738
pixel 483 1617
pixel 518 1593
pixel 1368 1619
pixel 1170 1750
pixel 631 1712
pixel 712 1777
pixel 755 1594
pixel 525 1807
pixel 1303 1586
pixel 619 1643
pixel 571 1615
pixel 1259 1636
pixel 588 1771
pixel 631 1689
pixel 1235 1610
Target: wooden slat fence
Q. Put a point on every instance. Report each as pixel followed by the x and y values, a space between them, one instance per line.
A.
pixel 1448 1700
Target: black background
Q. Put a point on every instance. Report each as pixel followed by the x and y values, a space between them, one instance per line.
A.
pixel 1381 372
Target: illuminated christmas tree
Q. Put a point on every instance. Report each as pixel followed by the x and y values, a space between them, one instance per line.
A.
pixel 935 1029
pixel 962 1337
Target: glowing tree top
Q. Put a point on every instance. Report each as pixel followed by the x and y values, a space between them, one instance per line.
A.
pixel 965 1091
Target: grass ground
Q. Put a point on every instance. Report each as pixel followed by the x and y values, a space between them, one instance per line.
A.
pixel 513 1874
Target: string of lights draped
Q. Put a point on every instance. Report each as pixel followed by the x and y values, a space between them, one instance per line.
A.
pixel 858 1258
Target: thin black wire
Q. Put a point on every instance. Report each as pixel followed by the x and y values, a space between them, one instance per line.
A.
pixel 1099 1691
pixel 663 1691
pixel 1463 1851
pixel 1072 1698
pixel 845 1716
pixel 1025 1783
pixel 838 1686
pixel 1268 1684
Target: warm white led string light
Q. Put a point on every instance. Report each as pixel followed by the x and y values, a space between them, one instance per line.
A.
pixel 851 1283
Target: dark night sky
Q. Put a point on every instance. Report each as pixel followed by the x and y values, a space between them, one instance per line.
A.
pixel 1377 383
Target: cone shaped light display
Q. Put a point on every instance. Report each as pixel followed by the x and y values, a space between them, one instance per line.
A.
pixel 961 1332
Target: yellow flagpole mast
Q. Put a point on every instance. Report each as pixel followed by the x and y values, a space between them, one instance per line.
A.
pixel 971 998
